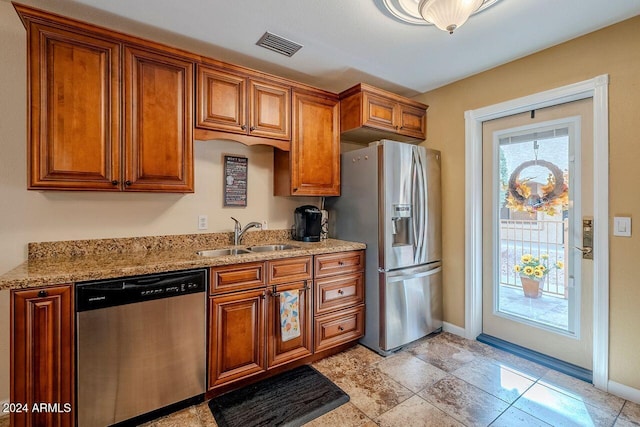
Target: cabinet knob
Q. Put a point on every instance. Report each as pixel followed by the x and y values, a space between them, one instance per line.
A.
pixel 115 182
pixel 340 263
pixel 340 291
pixel 127 183
pixel 243 127
pixel 340 328
pixel 295 189
pixel 252 128
pixel 43 294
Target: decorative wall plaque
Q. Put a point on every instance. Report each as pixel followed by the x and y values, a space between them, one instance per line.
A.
pixel 235 180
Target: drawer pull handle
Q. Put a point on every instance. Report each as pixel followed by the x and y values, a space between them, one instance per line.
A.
pixel 274 293
pixel 340 262
pixel 340 328
pixel 340 291
pixel 43 294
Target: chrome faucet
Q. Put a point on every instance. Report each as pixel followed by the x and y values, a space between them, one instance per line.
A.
pixel 238 231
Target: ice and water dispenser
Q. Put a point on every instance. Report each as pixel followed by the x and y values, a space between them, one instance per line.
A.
pixel 402 225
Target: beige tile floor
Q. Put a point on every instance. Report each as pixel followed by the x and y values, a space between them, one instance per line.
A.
pixel 446 380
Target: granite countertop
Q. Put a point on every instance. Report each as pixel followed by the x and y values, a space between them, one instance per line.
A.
pixel 68 262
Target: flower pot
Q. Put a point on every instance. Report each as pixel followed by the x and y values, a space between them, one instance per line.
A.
pixel 532 288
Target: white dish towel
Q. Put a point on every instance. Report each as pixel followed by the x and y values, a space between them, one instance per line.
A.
pixel 290 315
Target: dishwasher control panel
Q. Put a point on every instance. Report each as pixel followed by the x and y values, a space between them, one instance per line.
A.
pixel 128 290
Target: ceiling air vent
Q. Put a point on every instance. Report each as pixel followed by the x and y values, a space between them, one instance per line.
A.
pixel 278 44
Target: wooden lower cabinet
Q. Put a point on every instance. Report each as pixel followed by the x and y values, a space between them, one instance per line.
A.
pixel 245 324
pixel 280 352
pixel 236 336
pixel 339 299
pixel 42 356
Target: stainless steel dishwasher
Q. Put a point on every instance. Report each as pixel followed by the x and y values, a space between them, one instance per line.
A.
pixel 140 345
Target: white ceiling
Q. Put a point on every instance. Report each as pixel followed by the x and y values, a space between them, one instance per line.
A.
pixel 349 41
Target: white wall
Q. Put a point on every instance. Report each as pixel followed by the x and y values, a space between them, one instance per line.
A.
pixel 34 216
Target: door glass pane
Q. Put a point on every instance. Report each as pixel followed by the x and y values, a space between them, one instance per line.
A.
pixel 533 231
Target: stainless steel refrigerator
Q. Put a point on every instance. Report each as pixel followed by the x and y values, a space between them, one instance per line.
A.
pixel 391 200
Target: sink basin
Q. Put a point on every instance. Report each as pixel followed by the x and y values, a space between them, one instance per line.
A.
pixel 223 252
pixel 269 248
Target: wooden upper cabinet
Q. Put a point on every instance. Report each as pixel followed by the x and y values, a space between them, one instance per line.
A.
pixel 158 95
pixel 103 116
pixel 379 111
pixel 312 166
pixel 235 103
pixel 269 110
pixel 368 114
pixel 42 355
pixel 221 103
pixel 74 110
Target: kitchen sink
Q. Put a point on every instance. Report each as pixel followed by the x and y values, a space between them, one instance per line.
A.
pixel 223 252
pixel 269 248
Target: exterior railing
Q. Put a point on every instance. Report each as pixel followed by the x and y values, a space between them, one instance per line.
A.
pixel 535 237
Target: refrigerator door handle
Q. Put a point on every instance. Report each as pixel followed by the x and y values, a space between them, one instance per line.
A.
pixel 419 201
pixel 401 277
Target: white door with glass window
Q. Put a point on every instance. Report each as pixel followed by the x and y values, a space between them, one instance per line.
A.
pixel 537 191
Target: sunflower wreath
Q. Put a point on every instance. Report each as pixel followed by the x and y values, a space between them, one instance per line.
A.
pixel 555 193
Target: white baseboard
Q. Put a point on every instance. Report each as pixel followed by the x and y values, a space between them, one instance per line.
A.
pixel 624 391
pixel 453 329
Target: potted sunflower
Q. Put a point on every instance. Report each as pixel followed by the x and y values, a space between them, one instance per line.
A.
pixel 532 272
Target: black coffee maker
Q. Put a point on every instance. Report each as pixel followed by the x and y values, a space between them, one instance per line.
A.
pixel 308 223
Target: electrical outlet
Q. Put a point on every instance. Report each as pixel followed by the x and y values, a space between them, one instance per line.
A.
pixel 265 226
pixel 203 222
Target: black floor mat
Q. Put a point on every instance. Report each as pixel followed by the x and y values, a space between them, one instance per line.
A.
pixel 288 399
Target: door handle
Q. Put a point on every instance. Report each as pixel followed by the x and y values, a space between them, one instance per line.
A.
pixel 585 251
pixel 587 239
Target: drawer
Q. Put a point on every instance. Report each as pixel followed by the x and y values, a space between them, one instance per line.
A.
pixel 334 293
pixel 338 328
pixel 237 277
pixel 289 270
pixel 339 263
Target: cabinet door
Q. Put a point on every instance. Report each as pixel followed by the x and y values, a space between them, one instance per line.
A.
pixel 74 104
pixel 158 122
pixel 236 336
pixel 270 110
pixel 379 112
pixel 221 101
pixel 42 355
pixel 413 121
pixel 280 316
pixel 315 146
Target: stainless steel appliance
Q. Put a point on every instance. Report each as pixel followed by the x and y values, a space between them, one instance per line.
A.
pixel 307 223
pixel 140 345
pixel 391 201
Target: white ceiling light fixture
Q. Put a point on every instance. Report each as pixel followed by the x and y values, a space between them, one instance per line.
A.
pixel 447 15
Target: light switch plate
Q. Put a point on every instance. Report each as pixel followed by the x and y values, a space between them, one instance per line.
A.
pixel 203 222
pixel 622 226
